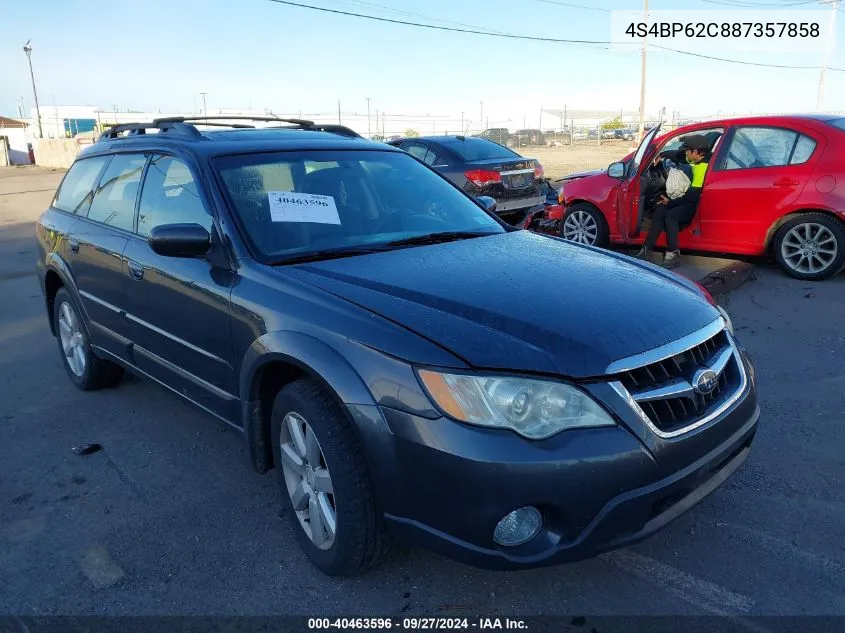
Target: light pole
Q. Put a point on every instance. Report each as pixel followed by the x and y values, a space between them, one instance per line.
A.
pixel 369 131
pixel 204 109
pixel 481 115
pixel 834 6
pixel 28 50
pixel 642 79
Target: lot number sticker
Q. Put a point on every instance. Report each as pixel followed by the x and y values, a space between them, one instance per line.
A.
pixel 289 206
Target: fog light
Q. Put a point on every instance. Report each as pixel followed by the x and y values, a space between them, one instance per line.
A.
pixel 518 527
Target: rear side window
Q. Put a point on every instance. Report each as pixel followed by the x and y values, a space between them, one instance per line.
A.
pixel 420 151
pixel 754 147
pixel 75 193
pixel 471 149
pixel 114 201
pixel 170 196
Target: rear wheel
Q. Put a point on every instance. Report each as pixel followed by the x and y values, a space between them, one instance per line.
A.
pixel 325 481
pixel 584 224
pixel 85 369
pixel 811 246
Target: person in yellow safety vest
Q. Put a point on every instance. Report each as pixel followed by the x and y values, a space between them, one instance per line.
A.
pixel 670 214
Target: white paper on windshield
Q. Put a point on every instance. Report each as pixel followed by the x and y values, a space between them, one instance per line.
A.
pixel 289 206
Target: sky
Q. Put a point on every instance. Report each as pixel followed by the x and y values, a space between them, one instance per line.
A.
pixel 161 54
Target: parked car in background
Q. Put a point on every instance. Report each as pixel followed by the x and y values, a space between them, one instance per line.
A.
pixel 608 134
pixel 527 138
pixel 624 134
pixel 483 168
pixel 775 187
pixel 498 135
pixel 410 366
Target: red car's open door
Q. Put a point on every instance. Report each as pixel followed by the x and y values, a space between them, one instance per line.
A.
pixel 632 203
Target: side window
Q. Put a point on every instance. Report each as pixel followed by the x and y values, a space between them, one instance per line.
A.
pixel 76 190
pixel 170 196
pixel 114 200
pixel 430 158
pixel 416 150
pixel 804 148
pixel 753 147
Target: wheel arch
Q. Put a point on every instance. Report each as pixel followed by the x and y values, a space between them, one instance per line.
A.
pixel 773 229
pixel 57 275
pixel 277 359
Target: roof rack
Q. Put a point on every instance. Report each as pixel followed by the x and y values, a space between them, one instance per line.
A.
pixel 299 124
pixel 186 126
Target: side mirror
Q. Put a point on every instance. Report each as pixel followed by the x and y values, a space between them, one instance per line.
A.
pixel 179 240
pixel 488 203
pixel 616 170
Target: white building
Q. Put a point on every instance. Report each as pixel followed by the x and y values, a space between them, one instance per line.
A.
pixel 13 142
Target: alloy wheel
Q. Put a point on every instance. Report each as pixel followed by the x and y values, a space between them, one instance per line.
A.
pixel 308 480
pixel 580 226
pixel 73 341
pixel 809 248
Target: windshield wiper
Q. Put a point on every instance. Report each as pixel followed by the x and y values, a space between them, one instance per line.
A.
pixel 329 253
pixel 435 238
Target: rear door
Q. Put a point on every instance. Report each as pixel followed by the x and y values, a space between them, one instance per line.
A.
pixel 759 172
pixel 96 243
pixel 178 308
pixel 631 189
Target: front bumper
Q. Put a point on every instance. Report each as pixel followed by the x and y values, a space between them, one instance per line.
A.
pixel 445 485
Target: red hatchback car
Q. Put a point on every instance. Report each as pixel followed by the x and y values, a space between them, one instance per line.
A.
pixel 775 187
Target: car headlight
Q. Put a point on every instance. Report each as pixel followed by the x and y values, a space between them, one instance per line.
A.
pixel 728 323
pixel 535 409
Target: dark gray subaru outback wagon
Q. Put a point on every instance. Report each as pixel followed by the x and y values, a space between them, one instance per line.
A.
pixel 410 365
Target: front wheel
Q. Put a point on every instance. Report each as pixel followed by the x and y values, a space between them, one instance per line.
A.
pixel 584 224
pixel 325 481
pixel 811 246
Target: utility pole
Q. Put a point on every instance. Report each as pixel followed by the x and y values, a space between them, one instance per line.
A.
pixel 481 115
pixel 204 108
pixel 369 133
pixel 642 78
pixel 541 119
pixel 28 50
pixel 338 111
pixel 834 7
pixel 462 122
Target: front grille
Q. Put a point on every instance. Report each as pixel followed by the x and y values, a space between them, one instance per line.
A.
pixel 664 389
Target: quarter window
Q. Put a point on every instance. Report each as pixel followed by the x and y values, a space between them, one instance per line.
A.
pixel 170 196
pixel 114 201
pixel 76 191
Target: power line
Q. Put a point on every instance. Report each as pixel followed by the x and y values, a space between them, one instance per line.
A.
pixel 746 4
pixel 533 38
pixel 577 6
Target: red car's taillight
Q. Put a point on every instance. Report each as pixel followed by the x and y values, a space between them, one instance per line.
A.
pixel 483 177
pixel 538 170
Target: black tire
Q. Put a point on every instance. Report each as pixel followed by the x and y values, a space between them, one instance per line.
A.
pixel 361 540
pixel 602 232
pixel 834 234
pixel 98 373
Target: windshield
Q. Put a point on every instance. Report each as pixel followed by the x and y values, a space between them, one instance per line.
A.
pixel 294 203
pixel 471 149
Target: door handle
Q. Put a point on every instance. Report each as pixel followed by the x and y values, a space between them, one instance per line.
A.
pixel 136 271
pixel 74 245
pixel 785 182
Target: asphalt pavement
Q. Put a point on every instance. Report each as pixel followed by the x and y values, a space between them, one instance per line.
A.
pixel 169 519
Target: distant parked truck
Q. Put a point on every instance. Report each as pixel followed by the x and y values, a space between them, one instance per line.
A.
pixel 524 138
pixel 498 135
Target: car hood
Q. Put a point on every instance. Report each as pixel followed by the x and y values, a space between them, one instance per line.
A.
pixel 580 174
pixel 519 301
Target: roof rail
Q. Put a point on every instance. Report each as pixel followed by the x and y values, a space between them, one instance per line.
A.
pixel 302 124
pixel 186 126
pixel 115 131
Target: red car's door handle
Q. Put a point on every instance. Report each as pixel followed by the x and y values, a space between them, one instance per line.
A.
pixel 785 182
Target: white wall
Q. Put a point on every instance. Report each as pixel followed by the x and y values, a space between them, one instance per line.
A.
pixel 17 140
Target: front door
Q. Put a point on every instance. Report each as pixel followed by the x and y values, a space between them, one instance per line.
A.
pixel 760 171
pixel 178 308
pixel 632 205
